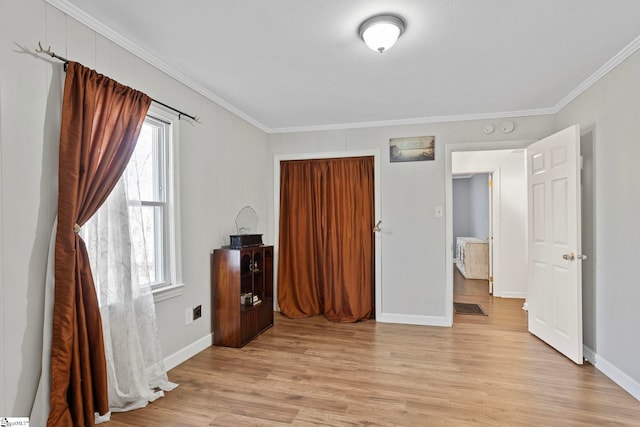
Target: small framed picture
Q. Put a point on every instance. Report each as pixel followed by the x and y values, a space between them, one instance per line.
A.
pixel 412 149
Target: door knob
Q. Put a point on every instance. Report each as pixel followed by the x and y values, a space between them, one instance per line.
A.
pixel 571 256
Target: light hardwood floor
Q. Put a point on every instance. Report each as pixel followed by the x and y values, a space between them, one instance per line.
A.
pixel 503 313
pixel 305 372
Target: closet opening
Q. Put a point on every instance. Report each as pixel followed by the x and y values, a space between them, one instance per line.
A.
pixel 280 235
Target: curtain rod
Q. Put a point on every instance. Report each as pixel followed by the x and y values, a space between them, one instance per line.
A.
pixel 66 61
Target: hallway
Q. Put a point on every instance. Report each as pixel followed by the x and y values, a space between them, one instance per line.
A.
pixel 502 313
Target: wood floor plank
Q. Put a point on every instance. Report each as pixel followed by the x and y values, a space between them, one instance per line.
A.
pixel 485 370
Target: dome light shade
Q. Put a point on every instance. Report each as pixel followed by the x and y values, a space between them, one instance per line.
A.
pixel 381 32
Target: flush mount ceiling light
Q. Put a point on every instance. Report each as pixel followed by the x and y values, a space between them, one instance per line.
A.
pixel 381 31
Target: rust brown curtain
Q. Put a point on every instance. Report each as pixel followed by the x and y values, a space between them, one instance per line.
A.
pixel 101 121
pixel 326 238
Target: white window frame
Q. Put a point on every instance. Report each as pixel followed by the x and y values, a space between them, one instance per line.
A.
pixel 172 286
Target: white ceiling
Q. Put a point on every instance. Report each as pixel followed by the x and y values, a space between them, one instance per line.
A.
pixel 293 64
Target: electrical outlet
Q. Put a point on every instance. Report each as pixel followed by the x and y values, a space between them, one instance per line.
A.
pixel 197 312
pixel 188 316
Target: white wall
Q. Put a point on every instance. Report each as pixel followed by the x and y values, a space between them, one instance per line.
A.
pixel 510 239
pixel 612 108
pixel 414 252
pixel 222 169
pixel 470 206
pixel 461 210
pixel 479 195
pixel 2 296
pixel 408 225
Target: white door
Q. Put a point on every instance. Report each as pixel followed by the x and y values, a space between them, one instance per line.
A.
pixel 554 255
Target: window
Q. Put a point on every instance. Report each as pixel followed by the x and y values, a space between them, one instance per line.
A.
pixel 153 207
pixel 146 189
pixel 147 201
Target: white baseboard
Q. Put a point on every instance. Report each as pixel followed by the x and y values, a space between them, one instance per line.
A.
pixel 616 375
pixel 589 355
pixel 187 352
pixel 521 295
pixel 412 319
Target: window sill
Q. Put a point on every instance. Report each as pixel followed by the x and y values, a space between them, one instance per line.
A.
pixel 167 292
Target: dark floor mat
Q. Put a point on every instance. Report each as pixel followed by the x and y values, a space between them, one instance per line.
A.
pixel 463 308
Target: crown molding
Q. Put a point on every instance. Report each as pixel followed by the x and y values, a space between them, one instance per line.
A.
pixel 616 60
pixel 106 31
pixel 100 28
pixel 600 73
pixel 418 121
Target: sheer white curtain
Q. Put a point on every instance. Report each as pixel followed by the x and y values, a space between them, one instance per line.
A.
pixel 135 366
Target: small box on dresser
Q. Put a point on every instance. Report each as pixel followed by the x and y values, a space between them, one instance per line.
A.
pixel 241 294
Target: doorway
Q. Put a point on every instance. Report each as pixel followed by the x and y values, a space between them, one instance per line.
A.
pixel 505 161
pixel 508 239
pixel 491 261
pixel 473 226
pixel 377 209
pixel 586 251
pixel 326 239
pixel 473 247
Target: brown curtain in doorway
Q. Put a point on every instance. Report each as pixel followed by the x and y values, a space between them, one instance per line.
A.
pixel 326 238
pixel 101 122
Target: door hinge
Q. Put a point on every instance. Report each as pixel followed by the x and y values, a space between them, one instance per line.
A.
pixel 490 183
pixel 491 279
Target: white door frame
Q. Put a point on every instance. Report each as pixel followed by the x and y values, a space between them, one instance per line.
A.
pixel 377 212
pixel 450 148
